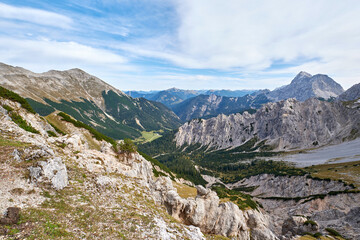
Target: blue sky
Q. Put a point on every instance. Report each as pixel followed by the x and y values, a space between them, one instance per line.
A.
pixel 202 44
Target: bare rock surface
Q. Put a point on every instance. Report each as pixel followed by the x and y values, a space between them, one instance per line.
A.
pixel 268 185
pixel 284 125
pixel 211 216
pixel 305 86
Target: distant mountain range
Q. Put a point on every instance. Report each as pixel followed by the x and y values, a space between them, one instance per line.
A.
pixel 190 104
pixel 88 99
pixel 173 96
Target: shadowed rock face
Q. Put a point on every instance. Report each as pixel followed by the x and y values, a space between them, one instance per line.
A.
pixel 284 125
pixel 352 93
pixel 305 86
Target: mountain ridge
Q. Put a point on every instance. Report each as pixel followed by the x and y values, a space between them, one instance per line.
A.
pixel 88 99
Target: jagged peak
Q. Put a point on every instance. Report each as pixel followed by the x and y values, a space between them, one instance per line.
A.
pixel 301 76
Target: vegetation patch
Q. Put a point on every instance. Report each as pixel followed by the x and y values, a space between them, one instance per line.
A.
pixel 347 172
pixel 5 93
pixel 97 135
pixel 40 108
pixel 244 201
pixel 148 136
pixel 22 123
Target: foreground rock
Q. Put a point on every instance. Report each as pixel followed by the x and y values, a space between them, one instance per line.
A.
pixel 211 216
pixel 298 204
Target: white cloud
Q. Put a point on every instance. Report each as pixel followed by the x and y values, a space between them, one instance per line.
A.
pixel 36 16
pixel 43 54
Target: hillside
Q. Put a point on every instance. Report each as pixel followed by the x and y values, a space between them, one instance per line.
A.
pixel 89 100
pixel 60 181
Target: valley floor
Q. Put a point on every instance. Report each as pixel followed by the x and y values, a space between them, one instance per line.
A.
pixel 340 153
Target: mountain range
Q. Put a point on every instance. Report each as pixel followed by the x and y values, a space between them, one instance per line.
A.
pixel 88 99
pixel 190 104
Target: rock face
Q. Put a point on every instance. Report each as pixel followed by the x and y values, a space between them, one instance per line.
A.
pixel 211 105
pixel 305 86
pixel 310 212
pixel 52 170
pixel 284 125
pixel 268 185
pixel 211 216
pixel 352 93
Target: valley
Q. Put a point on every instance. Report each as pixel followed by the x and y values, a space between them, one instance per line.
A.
pixel 269 167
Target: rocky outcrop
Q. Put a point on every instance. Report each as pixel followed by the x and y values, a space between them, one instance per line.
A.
pixel 12 216
pixel 352 93
pixel 305 86
pixel 298 204
pixel 268 185
pixel 298 225
pixel 211 216
pixel 284 125
pixel 51 171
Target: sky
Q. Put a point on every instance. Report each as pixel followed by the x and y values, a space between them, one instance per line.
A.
pixel 188 44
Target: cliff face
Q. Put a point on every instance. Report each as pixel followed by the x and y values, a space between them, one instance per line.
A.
pixel 284 125
pixel 330 204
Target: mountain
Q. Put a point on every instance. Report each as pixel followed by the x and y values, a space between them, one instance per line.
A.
pixel 305 86
pixel 69 184
pixel 230 93
pixel 174 96
pixel 88 99
pixel 284 125
pixel 59 180
pixel 205 106
pixel 141 94
pixel 352 93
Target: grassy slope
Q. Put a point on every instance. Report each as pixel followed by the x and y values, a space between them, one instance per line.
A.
pixel 348 172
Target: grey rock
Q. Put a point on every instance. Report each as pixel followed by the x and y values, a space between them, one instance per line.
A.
pixel 269 185
pixel 211 216
pixel 17 155
pixel 305 86
pixel 52 171
pixel 352 93
pixel 284 125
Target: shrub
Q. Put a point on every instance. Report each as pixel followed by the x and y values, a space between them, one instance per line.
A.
pixel 333 232
pixel 8 108
pixel 310 222
pixel 51 134
pixel 57 129
pixel 22 123
pixel 127 146
pixel 5 93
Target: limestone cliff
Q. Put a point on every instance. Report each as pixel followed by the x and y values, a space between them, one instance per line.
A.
pixel 284 125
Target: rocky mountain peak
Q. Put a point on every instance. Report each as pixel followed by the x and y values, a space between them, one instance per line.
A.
pixel 301 76
pixel 305 86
